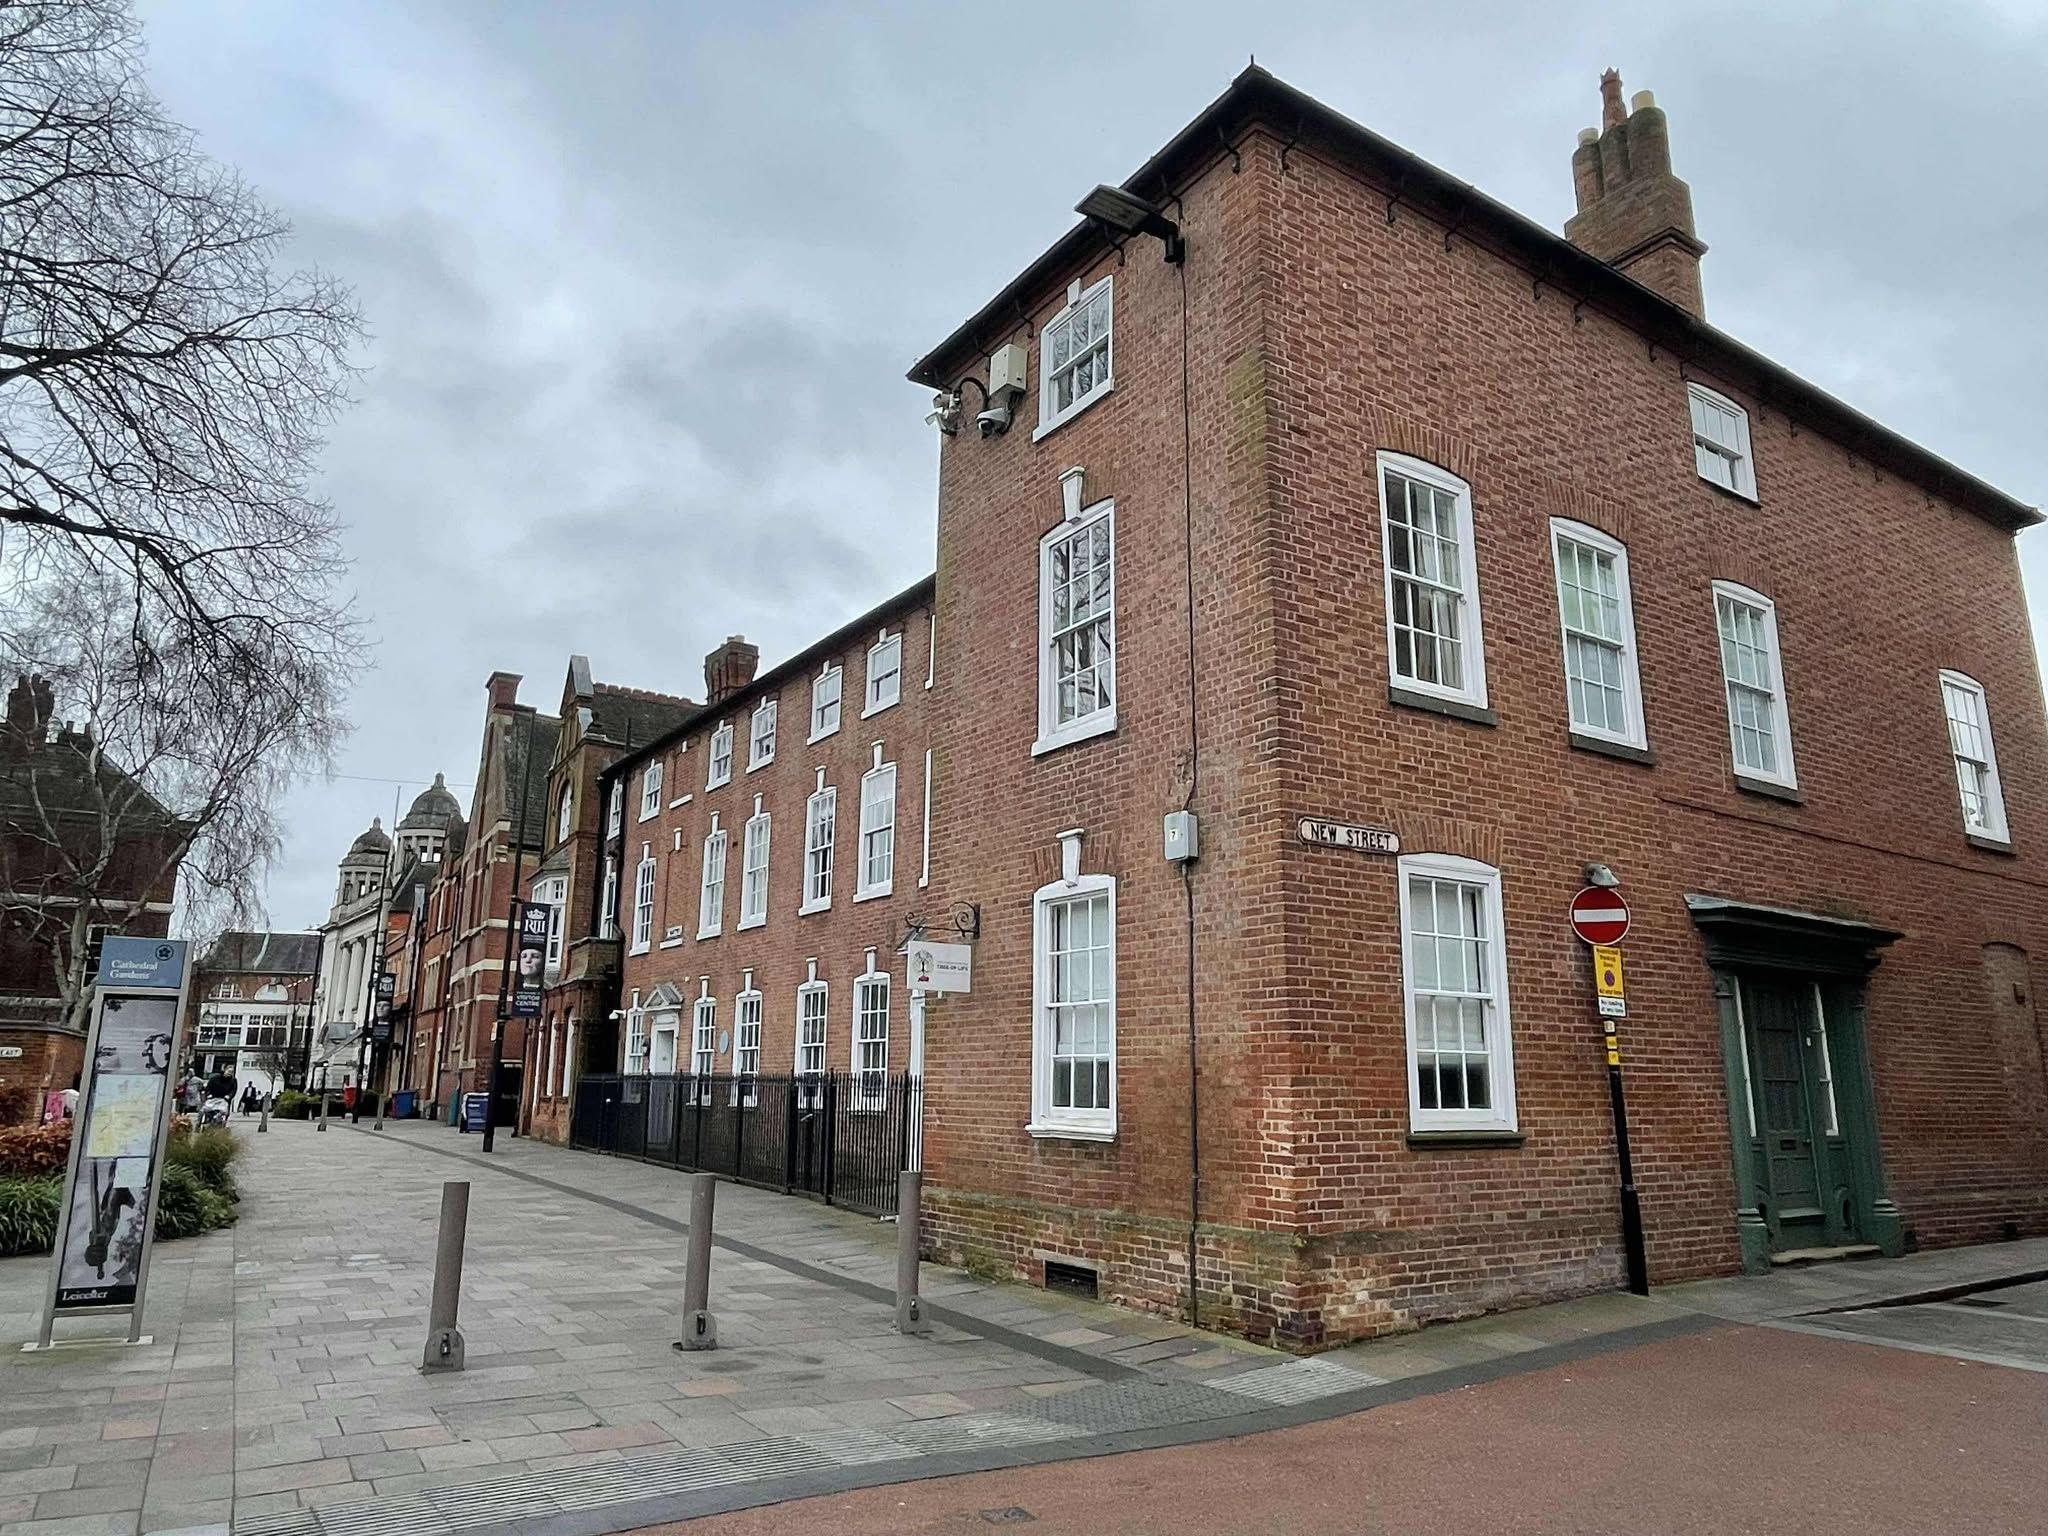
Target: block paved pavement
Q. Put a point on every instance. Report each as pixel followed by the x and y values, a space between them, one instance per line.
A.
pixel 282 1389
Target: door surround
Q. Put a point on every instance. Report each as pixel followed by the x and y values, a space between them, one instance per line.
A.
pixel 1837 955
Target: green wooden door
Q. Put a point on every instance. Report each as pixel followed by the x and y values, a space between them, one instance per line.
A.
pixel 1778 1019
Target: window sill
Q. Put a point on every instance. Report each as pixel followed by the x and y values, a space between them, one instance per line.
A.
pixel 650 815
pixel 1990 844
pixel 1101 391
pixel 752 767
pixel 709 933
pixel 673 943
pixel 1747 498
pixel 876 893
pixel 751 922
pixel 1102 723
pixel 1054 1131
pixel 875 709
pixel 1427 1140
pixel 1627 752
pixel 810 907
pixel 1457 709
pixel 639 949
pixel 711 784
pixel 679 802
pixel 817 736
pixel 1769 789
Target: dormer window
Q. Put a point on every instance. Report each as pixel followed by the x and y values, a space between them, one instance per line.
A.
pixel 1074 355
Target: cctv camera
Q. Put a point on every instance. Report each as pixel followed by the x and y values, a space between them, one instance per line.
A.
pixel 994 421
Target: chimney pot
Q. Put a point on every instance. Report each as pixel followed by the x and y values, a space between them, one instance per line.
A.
pixel 1633 213
pixel 729 668
pixel 1640 100
pixel 1589 135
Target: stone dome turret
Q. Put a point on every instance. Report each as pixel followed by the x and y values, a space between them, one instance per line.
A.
pixel 373 840
pixel 435 808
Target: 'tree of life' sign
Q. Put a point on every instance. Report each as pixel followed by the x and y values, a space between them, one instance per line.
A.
pixel 1340 834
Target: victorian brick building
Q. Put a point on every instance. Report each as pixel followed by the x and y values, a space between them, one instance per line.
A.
pixel 1376 515
pixel 765 855
pixel 85 851
pixel 599 723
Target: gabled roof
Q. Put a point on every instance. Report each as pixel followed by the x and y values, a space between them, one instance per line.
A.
pixel 276 954
pixel 1410 182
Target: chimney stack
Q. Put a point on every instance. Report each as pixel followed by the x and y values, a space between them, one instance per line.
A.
pixel 1633 213
pixel 503 690
pixel 729 668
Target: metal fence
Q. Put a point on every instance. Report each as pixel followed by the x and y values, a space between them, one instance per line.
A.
pixel 841 1137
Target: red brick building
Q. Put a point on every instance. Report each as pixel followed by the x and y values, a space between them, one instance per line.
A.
pixel 600 721
pixel 250 1012
pixel 1385 507
pixel 84 851
pixel 767 853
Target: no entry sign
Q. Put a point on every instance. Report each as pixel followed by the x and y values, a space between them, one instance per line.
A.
pixel 1599 915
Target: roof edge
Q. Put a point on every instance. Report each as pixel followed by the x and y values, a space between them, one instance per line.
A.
pixel 1256 96
pixel 919 593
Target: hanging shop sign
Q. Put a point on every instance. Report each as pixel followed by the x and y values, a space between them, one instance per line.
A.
pixel 107 1218
pixel 529 958
pixel 1340 834
pixel 939 967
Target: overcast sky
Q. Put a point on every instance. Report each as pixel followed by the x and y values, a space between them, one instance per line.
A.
pixel 643 279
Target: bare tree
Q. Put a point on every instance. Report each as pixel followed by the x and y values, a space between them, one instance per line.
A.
pixel 166 571
pixel 172 766
pixel 164 386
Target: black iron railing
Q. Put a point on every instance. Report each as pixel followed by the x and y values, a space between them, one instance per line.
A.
pixel 842 1137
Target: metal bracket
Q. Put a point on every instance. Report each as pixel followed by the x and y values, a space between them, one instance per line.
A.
pixel 1300 123
pixel 961 924
pixel 1236 159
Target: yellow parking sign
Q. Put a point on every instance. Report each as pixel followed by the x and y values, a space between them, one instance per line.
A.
pixel 1608 982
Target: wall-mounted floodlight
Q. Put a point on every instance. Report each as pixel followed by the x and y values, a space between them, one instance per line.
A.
pixel 1129 215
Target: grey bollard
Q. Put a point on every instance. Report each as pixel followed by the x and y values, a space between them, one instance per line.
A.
pixel 444 1339
pixel 263 1120
pixel 323 1111
pixel 700 1328
pixel 910 1316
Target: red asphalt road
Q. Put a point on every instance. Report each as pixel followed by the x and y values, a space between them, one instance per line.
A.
pixel 1738 1430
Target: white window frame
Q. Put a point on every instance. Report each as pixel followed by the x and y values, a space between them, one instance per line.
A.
pixel 863 1097
pixel 924 867
pixel 711 884
pixel 637 1042
pixel 1786 774
pixel 650 790
pixel 1046 1121
pixel 1052 733
pixel 549 1088
pixel 703 1044
pixel 555 893
pixel 615 815
pixel 643 900
pixel 565 816
pixel 746 1018
pixel 761 735
pixel 874 829
pixel 718 761
pixel 828 696
pixel 821 831
pixel 1501 1116
pixel 816 996
pixel 608 921
pixel 754 868
pixel 1994 827
pixel 871 684
pixel 1634 732
pixel 1471 627
pixel 1078 298
pixel 1736 458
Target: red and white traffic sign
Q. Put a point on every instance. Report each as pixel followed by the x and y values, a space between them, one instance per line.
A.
pixel 1599 915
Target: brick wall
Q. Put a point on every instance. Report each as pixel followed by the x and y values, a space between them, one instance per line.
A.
pixel 1319 333
pixel 778 951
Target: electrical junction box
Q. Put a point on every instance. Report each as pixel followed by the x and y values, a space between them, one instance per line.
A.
pixel 1006 367
pixel 1183 836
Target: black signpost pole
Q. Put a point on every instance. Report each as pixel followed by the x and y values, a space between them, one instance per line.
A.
pixel 1631 1206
